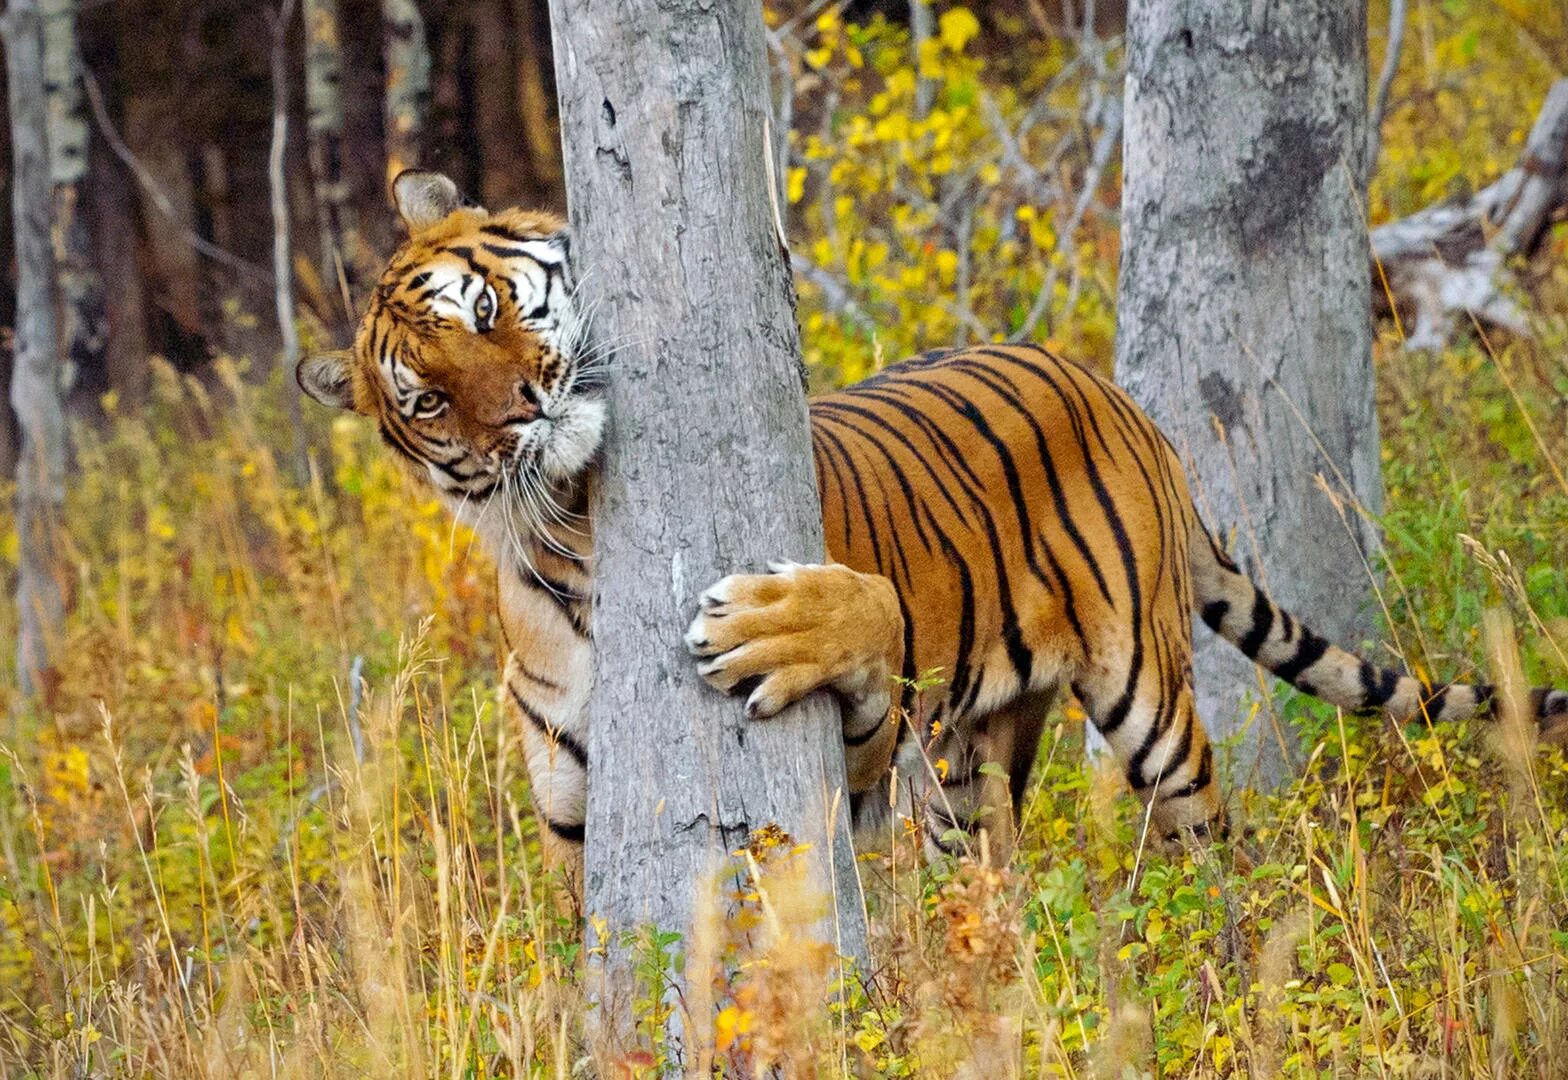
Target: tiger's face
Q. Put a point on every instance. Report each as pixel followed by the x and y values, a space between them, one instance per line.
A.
pixel 469 356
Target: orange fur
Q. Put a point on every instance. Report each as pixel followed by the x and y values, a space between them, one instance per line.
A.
pixel 995 515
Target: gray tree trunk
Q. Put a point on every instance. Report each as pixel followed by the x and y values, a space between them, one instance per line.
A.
pixel 282 251
pixel 83 324
pixel 707 470
pixel 1449 263
pixel 324 120
pixel 36 376
pixel 1244 301
pixel 408 83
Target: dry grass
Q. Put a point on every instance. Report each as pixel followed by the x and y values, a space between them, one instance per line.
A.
pixel 223 857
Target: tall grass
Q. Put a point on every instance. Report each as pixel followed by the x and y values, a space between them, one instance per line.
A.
pixel 271 822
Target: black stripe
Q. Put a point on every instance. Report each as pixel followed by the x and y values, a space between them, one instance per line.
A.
pixel 863 737
pixel 1309 651
pixel 1160 724
pixel 1129 560
pixel 1198 782
pixel 1378 685
pixel 564 739
pixel 865 509
pixel 1262 623
pixel 819 454
pixel 573 833
pixel 1009 391
pixel 502 252
pixel 562 596
pixel 1017 652
pixel 1214 614
pixel 1287 627
pixel 508 233
pixel 953 459
pixel 548 684
pixel 1064 514
pixel 911 499
pixel 829 410
pixel 966 612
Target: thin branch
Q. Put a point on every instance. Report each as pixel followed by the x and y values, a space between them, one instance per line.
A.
pixel 1104 146
pixel 922 23
pixel 155 194
pixel 834 291
pixel 1385 81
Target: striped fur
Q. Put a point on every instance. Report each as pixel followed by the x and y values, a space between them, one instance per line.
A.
pixel 995 514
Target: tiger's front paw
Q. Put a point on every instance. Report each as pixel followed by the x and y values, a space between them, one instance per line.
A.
pixel 798 628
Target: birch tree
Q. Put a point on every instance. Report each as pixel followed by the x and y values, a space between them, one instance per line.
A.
pixel 83 325
pixel 1244 299
pixel 407 59
pixel 324 120
pixel 277 182
pixel 35 375
pixel 707 470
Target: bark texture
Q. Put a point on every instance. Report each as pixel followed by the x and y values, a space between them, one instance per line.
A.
pixel 282 257
pixel 35 376
pixel 324 119
pixel 1243 305
pixel 111 201
pixel 1449 262
pixel 408 84
pixel 708 467
pixel 83 325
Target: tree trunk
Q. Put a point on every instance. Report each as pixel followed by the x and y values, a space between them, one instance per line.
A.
pixel 111 204
pixel 175 278
pixel 35 377
pixel 1243 305
pixel 707 470
pixel 1448 263
pixel 83 328
pixel 282 258
pixel 408 84
pixel 324 118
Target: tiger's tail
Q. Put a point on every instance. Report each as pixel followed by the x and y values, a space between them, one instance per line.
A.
pixel 1267 634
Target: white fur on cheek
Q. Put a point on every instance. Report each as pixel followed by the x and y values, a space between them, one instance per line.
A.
pixel 573 439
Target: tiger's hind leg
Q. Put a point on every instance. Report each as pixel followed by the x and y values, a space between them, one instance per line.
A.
pixel 983 766
pixel 1147 714
pixel 778 636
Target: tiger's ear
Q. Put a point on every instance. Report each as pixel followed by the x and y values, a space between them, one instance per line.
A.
pixel 327 378
pixel 424 197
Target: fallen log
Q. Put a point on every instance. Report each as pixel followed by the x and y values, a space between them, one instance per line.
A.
pixel 1450 261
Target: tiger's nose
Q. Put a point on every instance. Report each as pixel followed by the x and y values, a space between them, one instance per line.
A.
pixel 524 405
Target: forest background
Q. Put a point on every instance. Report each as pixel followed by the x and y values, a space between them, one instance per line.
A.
pixel 265 816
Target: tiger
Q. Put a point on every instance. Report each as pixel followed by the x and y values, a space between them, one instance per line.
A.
pixel 996 514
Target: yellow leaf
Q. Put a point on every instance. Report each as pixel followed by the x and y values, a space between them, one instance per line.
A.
pixel 797 184
pixel 726 1026
pixel 957 27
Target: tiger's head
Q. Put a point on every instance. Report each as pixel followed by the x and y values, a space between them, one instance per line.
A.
pixel 470 356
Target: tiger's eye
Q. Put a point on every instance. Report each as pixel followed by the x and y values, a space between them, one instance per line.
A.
pixel 431 401
pixel 483 306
